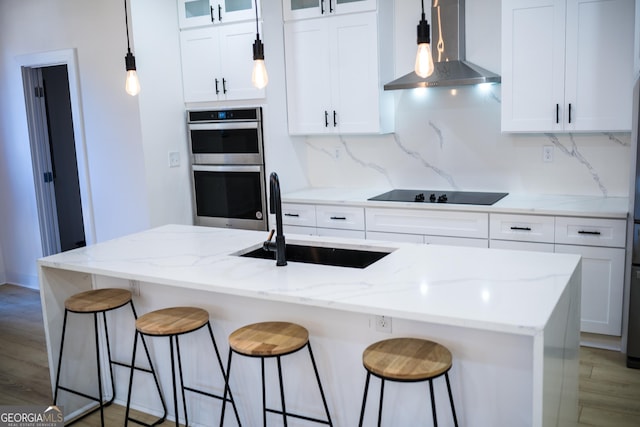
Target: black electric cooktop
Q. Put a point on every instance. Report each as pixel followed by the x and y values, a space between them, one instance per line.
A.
pixel 431 196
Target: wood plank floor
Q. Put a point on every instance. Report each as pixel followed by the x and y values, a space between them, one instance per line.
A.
pixel 609 392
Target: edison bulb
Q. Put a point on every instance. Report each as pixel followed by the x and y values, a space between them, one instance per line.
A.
pixel 424 61
pixel 259 76
pixel 132 85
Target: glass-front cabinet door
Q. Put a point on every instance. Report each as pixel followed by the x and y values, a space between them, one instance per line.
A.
pixel 195 13
pixel 301 9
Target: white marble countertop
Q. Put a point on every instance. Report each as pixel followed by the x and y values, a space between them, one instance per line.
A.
pixel 497 290
pixel 517 203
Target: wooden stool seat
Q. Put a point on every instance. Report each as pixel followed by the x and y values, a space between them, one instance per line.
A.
pixel 268 339
pixel 172 321
pixel 273 340
pixel 407 359
pixel 97 300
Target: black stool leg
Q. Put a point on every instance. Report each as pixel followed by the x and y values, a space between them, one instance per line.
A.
pixel 284 408
pixel 173 381
pixel 95 329
pixel 433 404
pixel 64 328
pixel 453 409
pixel 381 398
pixel 133 361
pixel 226 387
pixel 364 398
pixel 184 400
pixel 106 335
pixel 324 400
pixel 264 396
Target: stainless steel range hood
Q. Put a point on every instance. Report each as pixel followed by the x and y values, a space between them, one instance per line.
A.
pixel 448 50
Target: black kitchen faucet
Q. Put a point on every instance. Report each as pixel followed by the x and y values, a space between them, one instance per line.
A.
pixel 275 207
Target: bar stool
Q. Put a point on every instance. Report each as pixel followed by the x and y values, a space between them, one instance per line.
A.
pixel 274 339
pixel 173 322
pixel 407 360
pixel 95 302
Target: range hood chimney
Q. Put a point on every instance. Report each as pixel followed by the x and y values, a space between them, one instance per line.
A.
pixel 447 45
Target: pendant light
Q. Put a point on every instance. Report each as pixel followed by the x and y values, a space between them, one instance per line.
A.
pixel 132 85
pixel 424 61
pixel 259 76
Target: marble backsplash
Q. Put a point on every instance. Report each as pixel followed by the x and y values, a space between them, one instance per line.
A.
pixel 451 139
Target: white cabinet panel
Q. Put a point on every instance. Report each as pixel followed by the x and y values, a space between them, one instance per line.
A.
pixel 195 13
pixel 456 241
pixel 567 65
pixel 294 229
pixel 299 214
pixel 395 237
pixel 333 232
pixel 344 217
pixel 528 228
pixel 217 63
pixel 521 246
pixel 301 9
pixel 334 76
pixel 591 231
pixel 602 288
pixel 435 223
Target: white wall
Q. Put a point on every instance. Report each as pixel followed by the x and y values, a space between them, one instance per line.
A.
pixel 112 128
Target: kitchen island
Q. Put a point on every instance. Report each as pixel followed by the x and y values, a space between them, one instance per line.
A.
pixel 510 319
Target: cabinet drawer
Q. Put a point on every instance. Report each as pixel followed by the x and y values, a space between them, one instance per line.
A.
pixel 523 228
pixel 341 217
pixel 434 223
pixel 591 231
pixel 298 214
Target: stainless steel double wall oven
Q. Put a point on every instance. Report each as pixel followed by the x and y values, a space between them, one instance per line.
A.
pixel 227 168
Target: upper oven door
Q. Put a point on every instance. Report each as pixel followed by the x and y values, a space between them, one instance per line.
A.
pixel 226 143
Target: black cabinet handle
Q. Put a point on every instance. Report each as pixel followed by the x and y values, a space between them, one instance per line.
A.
pixel 335 119
pixel 224 85
pixel 326 118
pixel 293 215
pixel 219 13
pixel 330 7
pixel 211 12
pixel 521 228
pixel 557 113
pixel 569 112
pixel 340 218
pixel 322 7
pixel 593 233
pixel 217 90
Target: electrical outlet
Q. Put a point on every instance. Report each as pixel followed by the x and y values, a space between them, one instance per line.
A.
pixel 134 287
pixel 174 159
pixel 383 324
pixel 547 153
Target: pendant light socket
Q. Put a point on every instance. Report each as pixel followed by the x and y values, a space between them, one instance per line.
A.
pixel 424 31
pixel 130 61
pixel 258 48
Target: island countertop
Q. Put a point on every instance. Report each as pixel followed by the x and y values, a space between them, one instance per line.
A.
pixel 496 290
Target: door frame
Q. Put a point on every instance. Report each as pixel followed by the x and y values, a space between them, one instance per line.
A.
pixel 69 58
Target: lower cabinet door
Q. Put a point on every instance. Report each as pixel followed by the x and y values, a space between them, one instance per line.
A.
pixel 602 288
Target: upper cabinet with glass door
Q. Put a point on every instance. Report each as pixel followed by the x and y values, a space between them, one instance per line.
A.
pixel 301 9
pixel 197 13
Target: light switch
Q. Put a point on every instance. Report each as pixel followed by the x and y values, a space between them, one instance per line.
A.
pixel 174 159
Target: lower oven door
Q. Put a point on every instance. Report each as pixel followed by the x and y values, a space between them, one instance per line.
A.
pixel 229 196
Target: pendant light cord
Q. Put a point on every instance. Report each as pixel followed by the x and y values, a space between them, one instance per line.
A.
pixel 255 2
pixel 126 23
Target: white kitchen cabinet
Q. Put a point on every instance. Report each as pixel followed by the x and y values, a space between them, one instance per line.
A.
pixel 567 65
pixel 591 231
pixel 197 13
pixel 334 75
pixel 395 237
pixel 602 287
pixel 525 228
pixel 217 63
pixel 514 245
pixel 302 9
pixel 323 220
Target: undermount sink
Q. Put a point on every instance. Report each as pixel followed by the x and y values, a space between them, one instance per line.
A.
pixel 335 256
